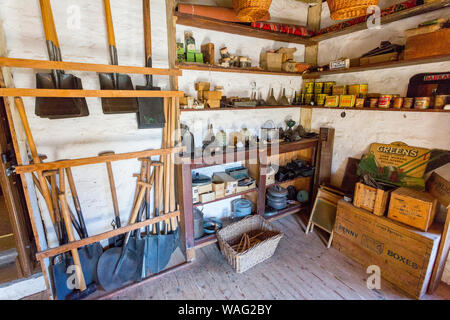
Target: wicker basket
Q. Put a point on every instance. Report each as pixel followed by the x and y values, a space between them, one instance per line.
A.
pixel 346 9
pixel 251 10
pixel 258 253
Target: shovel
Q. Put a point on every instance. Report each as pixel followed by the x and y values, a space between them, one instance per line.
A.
pixel 50 107
pixel 117 240
pixel 151 110
pixel 115 81
pixel 118 266
pixel 160 246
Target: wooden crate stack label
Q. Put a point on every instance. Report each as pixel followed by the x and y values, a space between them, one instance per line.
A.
pixel 398 153
pixel 404 255
pixel 371 199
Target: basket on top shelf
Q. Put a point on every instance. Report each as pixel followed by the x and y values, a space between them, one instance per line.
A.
pixel 251 10
pixel 230 237
pixel 346 9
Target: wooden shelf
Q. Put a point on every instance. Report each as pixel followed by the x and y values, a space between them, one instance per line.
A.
pixel 240 108
pixel 214 68
pixel 288 211
pixel 378 109
pixel 417 10
pixel 239 29
pixel 384 65
pixel 227 197
pixel 277 183
pixel 205 241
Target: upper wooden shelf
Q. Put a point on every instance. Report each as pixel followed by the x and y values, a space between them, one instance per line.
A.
pixel 213 68
pixel 377 109
pixel 239 108
pixel 383 65
pixel 239 29
pixel 417 10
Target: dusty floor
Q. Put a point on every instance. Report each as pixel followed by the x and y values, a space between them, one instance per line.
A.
pixel 302 268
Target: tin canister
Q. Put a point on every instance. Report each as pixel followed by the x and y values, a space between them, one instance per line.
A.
pixel 328 87
pixel 308 98
pixel 309 87
pixel 373 103
pixel 408 103
pixel 384 101
pixel 320 99
pixel 318 87
pixel 440 101
pixel 398 103
pixel 422 103
pixel 359 103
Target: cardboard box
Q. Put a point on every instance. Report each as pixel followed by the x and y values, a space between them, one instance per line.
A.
pixel 213 104
pixel 371 199
pixel 245 188
pixel 347 101
pixel 219 194
pixel 202 86
pixel 207 197
pixel 208 53
pixel 195 195
pixel 199 57
pixel 229 181
pixel 414 208
pixel 288 53
pixel 212 95
pixel 271 61
pixel 204 189
pixel 218 186
pixel 405 255
pixel 190 56
pixel 427 45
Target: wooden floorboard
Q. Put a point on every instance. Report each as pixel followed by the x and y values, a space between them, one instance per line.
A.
pixel 301 268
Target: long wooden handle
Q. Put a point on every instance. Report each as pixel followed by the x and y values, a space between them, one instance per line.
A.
pixel 52 23
pixel 109 23
pixel 76 201
pixel 45 4
pixel 112 186
pixel 75 256
pixel 147 29
pixel 26 126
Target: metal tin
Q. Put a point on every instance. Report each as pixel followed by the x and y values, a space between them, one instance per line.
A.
pixel 398 103
pixel 359 103
pixel 440 101
pixel 318 87
pixel 308 98
pixel 328 87
pixel 408 103
pixel 373 103
pixel 320 99
pixel 347 101
pixel 385 101
pixel 422 103
pixel 332 101
pixel 309 87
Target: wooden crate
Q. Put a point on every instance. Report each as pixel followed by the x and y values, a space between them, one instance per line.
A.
pixel 392 56
pixel 405 255
pixel 414 208
pixel 371 199
pixel 428 44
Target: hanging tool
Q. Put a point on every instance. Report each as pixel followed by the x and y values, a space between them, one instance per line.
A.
pixel 118 266
pixel 151 110
pixel 115 81
pixel 160 246
pixel 90 253
pixel 117 240
pixel 52 107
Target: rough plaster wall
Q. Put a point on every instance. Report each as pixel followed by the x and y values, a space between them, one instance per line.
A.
pixel 359 129
pixel 82 137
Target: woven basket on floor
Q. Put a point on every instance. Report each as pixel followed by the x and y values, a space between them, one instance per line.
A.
pixel 251 10
pixel 256 254
pixel 346 9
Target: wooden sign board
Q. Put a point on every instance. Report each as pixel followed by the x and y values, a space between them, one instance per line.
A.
pixel 399 154
pixel 439 188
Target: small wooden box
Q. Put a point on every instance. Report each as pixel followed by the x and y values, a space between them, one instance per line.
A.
pixel 208 52
pixel 205 188
pixel 271 61
pixel 202 86
pixel 392 56
pixel 218 186
pixel 245 188
pixel 428 44
pixel 212 95
pixel 207 197
pixel 371 199
pixel 213 104
pixel 404 254
pixel 229 181
pixel 411 207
